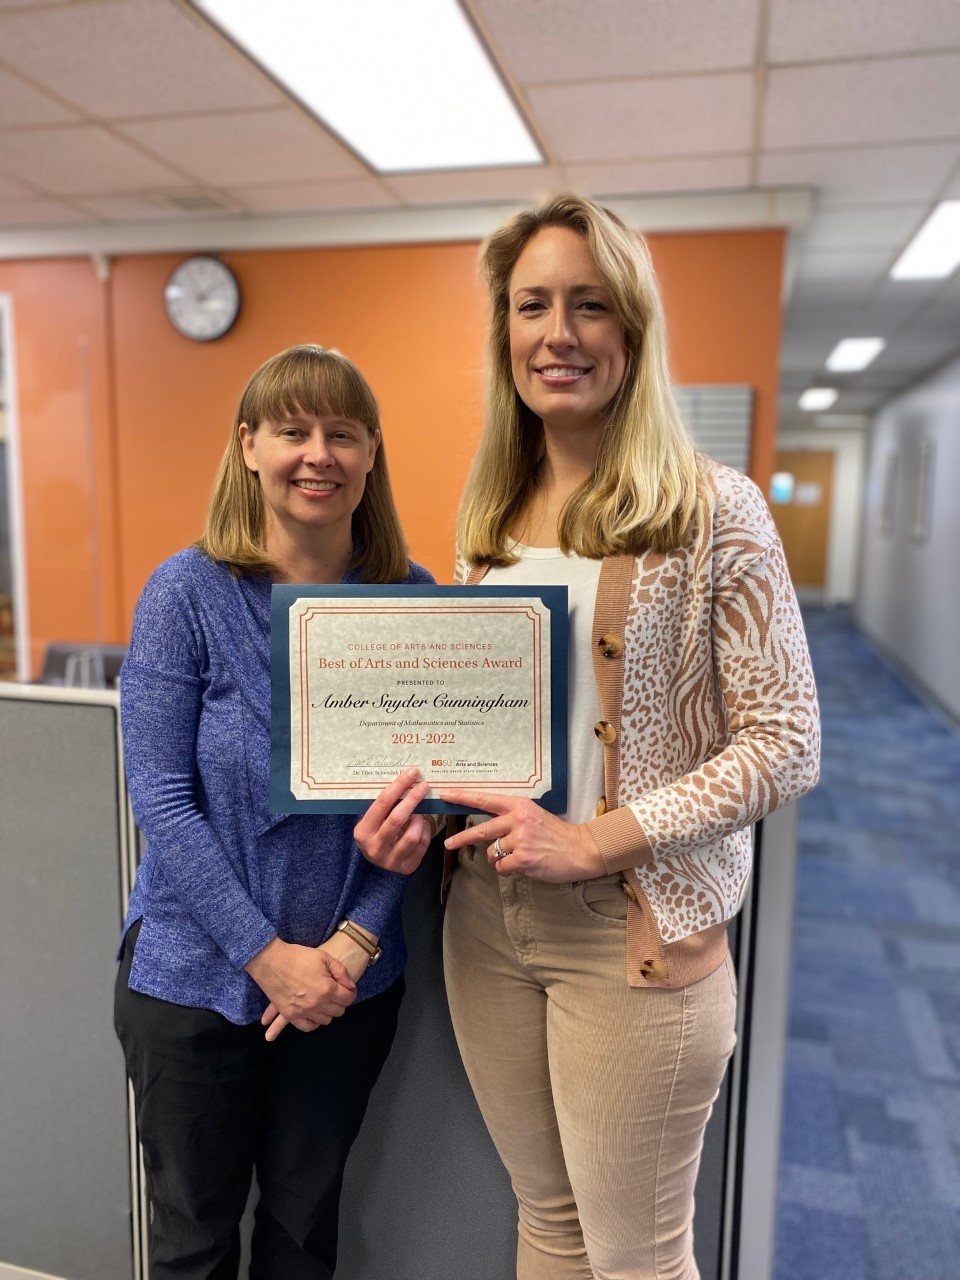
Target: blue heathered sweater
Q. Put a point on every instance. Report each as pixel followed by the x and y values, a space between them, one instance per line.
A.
pixel 222 875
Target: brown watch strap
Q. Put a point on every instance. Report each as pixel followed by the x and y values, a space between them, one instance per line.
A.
pixel 373 950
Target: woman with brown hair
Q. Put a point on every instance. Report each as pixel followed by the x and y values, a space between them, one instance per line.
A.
pixel 586 956
pixel 239 913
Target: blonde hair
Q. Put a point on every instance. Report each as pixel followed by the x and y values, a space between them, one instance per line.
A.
pixel 645 489
pixel 314 380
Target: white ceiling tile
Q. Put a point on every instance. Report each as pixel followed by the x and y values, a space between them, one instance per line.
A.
pixel 867 265
pixel 878 227
pixel 122 58
pixel 528 183
pixel 21 104
pixel 822 295
pixel 917 349
pixel 848 175
pixel 790 388
pixel 806 360
pixel 641 177
pixel 793 381
pixel 953 190
pixel 813 319
pixel 874 379
pixel 78 160
pixel 857 401
pixel 633 119
pixel 153 207
pixel 791 384
pixel 553 40
pixel 359 193
pixel 894 304
pixel 808 348
pixel 14 191
pixel 814 30
pixel 942 311
pixel 38 212
pixel 885 100
pixel 228 150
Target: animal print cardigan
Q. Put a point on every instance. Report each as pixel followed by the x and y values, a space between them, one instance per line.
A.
pixel 709 720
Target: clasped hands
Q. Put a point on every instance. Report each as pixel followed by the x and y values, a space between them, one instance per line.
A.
pixel 307 986
pixel 532 841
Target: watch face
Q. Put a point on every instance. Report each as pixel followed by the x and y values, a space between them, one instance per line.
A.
pixel 202 299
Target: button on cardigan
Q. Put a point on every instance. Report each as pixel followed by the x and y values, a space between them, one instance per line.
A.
pixel 222 875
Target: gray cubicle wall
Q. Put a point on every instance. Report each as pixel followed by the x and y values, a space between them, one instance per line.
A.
pixel 65 1189
pixel 425 1197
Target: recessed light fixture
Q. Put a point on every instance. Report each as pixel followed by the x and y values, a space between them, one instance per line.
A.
pixel 934 252
pixel 853 354
pixel 406 90
pixel 815 398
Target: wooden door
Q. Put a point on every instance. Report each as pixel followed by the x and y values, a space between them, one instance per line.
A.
pixel 801 510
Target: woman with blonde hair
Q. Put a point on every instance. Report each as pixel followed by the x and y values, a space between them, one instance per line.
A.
pixel 239 913
pixel 586 956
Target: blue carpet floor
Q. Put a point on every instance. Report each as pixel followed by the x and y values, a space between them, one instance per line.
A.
pixel 870 1165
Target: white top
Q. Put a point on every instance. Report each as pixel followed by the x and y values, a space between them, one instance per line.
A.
pixel 548 567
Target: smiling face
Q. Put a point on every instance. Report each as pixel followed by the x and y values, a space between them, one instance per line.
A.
pixel 312 469
pixel 566 340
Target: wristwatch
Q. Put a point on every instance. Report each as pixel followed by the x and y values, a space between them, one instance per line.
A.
pixel 360 938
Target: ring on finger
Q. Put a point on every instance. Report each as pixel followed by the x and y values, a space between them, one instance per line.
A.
pixel 497 849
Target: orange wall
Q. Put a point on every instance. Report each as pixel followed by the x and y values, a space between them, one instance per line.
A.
pixel 722 295
pixel 123 421
pixel 66 437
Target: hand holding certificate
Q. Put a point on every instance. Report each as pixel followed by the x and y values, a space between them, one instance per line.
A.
pixel 468 684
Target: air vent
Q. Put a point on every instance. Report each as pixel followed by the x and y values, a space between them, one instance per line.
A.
pixel 720 420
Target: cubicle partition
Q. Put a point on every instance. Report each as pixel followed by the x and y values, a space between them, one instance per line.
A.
pixel 425 1196
pixel 68 1205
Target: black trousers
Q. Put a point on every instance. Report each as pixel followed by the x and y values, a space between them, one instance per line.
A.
pixel 215 1100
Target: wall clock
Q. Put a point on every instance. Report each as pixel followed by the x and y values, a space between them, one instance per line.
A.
pixel 202 298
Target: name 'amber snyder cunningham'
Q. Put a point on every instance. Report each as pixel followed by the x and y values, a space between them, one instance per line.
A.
pixel 413 702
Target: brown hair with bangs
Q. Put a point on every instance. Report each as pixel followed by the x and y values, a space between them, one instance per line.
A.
pixel 313 380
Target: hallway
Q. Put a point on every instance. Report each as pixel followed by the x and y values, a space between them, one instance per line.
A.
pixel 870 1164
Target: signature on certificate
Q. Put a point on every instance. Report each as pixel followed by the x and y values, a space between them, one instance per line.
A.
pixel 380 762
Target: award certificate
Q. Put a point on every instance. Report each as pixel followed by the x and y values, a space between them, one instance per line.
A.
pixel 467 683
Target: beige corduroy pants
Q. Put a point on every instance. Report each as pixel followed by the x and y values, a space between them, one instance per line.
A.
pixel 595 1093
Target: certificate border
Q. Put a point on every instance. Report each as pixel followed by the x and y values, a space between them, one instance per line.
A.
pixel 361 612
pixel 282 597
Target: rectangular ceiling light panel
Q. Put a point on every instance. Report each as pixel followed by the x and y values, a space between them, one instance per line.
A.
pixel 853 354
pixel 815 398
pixel 408 87
pixel 934 252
